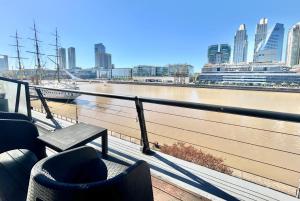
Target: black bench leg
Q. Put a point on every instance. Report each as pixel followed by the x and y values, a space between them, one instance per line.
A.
pixel 104 145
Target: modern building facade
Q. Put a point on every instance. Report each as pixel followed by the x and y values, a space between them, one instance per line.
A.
pixel 121 73
pixel 3 63
pixel 217 56
pixel 248 74
pixel 180 70
pixel 261 33
pixel 172 70
pixel 293 46
pixel 240 49
pixel 62 60
pixel 225 51
pixel 102 59
pixel 71 58
pixel 270 49
pixel 144 71
pixel 211 53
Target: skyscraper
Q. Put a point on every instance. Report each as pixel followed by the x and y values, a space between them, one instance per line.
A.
pixel 102 59
pixel 3 62
pixel 261 33
pixel 225 50
pixel 211 53
pixel 270 49
pixel 62 60
pixel 215 56
pixel 71 57
pixel 240 45
pixel 293 46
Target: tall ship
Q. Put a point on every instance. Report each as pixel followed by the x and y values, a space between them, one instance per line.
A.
pixel 57 83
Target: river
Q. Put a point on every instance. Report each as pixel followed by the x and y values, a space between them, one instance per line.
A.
pixel 263 147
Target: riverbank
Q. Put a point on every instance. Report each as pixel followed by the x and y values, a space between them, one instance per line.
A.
pixel 249 88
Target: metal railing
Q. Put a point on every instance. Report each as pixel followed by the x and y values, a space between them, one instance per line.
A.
pixel 272 115
pixel 18 94
pixel 139 108
pixel 143 123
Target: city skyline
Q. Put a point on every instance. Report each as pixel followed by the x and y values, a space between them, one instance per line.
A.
pixel 167 38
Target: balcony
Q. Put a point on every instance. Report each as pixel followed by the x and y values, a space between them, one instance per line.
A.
pixel 134 132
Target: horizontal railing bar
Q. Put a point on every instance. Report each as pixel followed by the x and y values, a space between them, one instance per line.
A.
pixel 225 138
pixel 12 80
pixel 105 95
pixel 200 106
pixel 224 123
pixel 227 109
pixel 228 153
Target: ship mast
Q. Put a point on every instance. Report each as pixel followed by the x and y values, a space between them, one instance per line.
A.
pixel 38 54
pixel 56 62
pixel 57 56
pixel 18 57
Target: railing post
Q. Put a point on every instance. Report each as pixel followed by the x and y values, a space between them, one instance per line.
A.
pixel 28 104
pixel 144 135
pixel 40 95
pixel 18 97
pixel 298 191
pixel 76 114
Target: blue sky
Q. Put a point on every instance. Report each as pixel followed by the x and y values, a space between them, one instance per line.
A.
pixel 154 32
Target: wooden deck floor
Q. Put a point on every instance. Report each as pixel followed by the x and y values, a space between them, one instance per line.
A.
pixel 175 179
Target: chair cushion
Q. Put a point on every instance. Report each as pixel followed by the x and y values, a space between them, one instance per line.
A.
pixel 74 167
pixel 91 171
pixel 15 167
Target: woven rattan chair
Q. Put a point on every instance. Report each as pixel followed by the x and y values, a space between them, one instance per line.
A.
pixel 79 174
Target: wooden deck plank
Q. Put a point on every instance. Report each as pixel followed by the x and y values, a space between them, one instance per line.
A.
pixel 185 171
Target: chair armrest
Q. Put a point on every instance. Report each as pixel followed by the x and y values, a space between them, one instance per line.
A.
pixel 139 182
pixel 20 134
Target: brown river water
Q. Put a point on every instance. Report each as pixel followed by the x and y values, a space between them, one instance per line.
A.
pixel 267 148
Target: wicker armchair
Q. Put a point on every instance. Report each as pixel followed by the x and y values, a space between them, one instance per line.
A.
pixel 79 174
pixel 19 151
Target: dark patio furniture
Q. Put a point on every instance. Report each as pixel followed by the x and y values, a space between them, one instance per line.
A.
pixel 18 116
pixel 74 136
pixel 19 151
pixel 79 174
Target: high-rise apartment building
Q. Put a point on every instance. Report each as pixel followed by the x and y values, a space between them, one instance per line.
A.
pixel 240 49
pixel 293 46
pixel 211 53
pixel 71 58
pixel 216 56
pixel 3 62
pixel 62 60
pixel 225 51
pixel 102 59
pixel 270 49
pixel 261 32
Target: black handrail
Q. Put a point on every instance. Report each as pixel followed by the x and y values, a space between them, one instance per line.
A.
pixel 265 114
pixel 18 91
